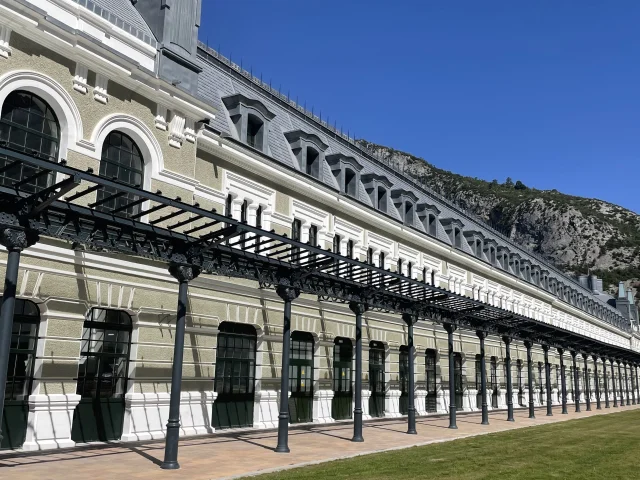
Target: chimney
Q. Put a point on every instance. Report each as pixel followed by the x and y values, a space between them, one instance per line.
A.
pixel 175 24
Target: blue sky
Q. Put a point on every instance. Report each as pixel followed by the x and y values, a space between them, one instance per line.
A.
pixel 546 92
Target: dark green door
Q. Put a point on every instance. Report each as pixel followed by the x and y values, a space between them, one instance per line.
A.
pixel 342 391
pixel 235 376
pixel 102 376
pixel 376 379
pixel 430 371
pixel 457 379
pixel 22 353
pixel 404 378
pixel 301 378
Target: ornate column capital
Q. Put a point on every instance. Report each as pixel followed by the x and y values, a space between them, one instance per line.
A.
pixel 560 350
pixel 481 334
pixel 449 327
pixel 573 354
pixel 16 239
pixel 594 357
pixel 506 339
pixel 183 273
pixel 287 293
pixel 410 318
pixel 545 348
pixel 528 344
pixel 358 308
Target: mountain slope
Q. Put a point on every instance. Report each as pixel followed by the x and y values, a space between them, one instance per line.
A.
pixel 577 234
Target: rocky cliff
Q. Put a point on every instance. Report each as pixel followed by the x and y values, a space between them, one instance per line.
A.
pixel 577 234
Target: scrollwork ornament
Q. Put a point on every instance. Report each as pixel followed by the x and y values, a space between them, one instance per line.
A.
pixel 15 239
pixel 184 273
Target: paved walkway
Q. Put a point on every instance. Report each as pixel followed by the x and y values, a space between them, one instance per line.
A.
pixel 233 454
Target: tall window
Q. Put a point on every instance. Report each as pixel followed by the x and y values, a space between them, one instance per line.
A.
pixel 350 182
pixel 313 163
pixel 296 232
pixel 430 371
pixel 254 132
pixel 22 351
pixel 29 125
pixel 121 161
pixel 431 225
pixel 104 361
pixel 382 199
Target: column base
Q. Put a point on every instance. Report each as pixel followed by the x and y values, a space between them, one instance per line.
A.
pixel 50 421
pixel 392 404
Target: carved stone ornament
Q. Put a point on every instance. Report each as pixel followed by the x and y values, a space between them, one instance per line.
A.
pixel 14 239
pixel 184 273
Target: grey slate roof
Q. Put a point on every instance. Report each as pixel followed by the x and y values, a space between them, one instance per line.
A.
pixel 122 14
pixel 220 78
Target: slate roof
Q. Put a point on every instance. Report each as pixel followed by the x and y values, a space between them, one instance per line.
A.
pixel 123 15
pixel 220 78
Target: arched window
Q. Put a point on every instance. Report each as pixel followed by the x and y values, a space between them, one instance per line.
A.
pixel 29 125
pixel 301 377
pixel 121 161
pixel 342 373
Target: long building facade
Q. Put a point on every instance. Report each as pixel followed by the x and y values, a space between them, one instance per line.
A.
pixel 124 90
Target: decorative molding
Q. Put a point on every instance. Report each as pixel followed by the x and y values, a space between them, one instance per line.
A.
pixel 100 93
pixel 80 79
pixel 5 36
pixel 161 118
pixel 189 131
pixel 176 131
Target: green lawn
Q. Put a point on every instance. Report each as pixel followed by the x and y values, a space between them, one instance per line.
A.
pixel 600 448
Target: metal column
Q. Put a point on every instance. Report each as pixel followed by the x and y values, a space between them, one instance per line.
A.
pixel 184 275
pixel 411 408
pixel 564 381
pixel 452 388
pixel 613 384
pixel 14 241
pixel 626 384
pixel 576 382
pixel 483 378
pixel 620 385
pixel 358 309
pixel 507 365
pixel 633 388
pixel 587 390
pixel 547 374
pixel 597 380
pixel 532 411
pixel 606 383
pixel 287 294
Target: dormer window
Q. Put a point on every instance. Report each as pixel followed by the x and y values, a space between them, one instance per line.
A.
pixel 428 215
pixel 346 170
pixel 503 257
pixel 514 263
pixel 405 202
pixel 525 269
pixel 453 227
pixel 377 187
pixel 491 251
pixel 309 150
pixel 251 120
pixel 475 241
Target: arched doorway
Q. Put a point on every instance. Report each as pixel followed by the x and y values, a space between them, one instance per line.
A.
pixel 342 388
pixel 22 353
pixel 235 376
pixel 102 376
pixel 301 378
pixel 376 379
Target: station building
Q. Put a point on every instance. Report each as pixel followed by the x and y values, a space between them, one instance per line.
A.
pixel 125 91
